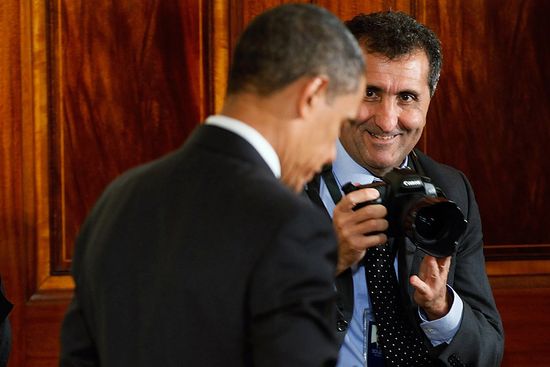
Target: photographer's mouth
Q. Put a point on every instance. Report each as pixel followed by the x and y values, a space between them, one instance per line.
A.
pixel 384 137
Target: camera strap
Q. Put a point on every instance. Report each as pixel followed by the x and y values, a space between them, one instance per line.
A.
pixel 334 189
pixel 332 185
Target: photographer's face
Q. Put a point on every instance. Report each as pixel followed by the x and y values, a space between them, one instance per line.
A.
pixel 395 104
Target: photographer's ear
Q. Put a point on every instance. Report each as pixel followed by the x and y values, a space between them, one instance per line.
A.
pixel 313 94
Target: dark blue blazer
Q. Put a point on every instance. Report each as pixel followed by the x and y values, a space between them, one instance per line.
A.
pixel 203 258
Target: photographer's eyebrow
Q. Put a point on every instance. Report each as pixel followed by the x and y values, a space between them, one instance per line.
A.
pixel 378 90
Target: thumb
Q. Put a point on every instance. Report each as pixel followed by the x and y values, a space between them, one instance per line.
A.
pixel 418 284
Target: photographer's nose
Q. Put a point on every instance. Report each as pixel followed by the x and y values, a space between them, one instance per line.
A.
pixel 386 117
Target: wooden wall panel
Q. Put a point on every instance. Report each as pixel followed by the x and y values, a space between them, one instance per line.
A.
pixel 526 323
pixel 88 89
pixel 348 9
pixel 126 89
pixel 12 216
pixel 492 109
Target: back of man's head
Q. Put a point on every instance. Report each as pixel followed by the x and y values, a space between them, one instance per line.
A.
pixel 395 34
pixel 292 41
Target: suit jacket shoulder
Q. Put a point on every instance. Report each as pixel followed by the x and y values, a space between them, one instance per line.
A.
pixel 453 182
pixel 205 239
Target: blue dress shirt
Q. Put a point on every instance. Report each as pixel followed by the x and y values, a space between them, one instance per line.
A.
pixel 352 352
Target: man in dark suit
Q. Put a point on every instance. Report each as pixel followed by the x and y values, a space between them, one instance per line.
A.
pixel 447 302
pixel 204 257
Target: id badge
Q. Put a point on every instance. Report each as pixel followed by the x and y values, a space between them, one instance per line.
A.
pixel 372 351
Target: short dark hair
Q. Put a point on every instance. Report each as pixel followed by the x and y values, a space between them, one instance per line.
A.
pixel 395 34
pixel 291 41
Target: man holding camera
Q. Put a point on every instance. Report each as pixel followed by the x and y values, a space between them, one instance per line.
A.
pixel 424 310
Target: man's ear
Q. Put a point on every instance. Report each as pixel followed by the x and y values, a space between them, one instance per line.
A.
pixel 313 93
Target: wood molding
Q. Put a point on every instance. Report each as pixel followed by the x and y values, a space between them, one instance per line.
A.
pixel 35 138
pixel 517 252
pixel 518 274
pixel 518 268
pixel 43 137
pixel 126 86
pixel 216 39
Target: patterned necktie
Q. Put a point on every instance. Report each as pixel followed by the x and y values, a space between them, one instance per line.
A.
pixel 401 344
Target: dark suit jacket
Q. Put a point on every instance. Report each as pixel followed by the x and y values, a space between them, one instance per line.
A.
pixel 202 258
pixel 480 339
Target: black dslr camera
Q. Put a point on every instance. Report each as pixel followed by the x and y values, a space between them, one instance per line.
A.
pixel 418 210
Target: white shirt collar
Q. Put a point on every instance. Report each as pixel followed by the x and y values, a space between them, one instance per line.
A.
pixel 252 136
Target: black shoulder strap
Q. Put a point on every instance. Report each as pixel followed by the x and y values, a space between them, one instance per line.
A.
pixel 333 188
pixel 312 191
pixel 332 185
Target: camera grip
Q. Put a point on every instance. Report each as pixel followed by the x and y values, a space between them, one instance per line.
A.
pixel 380 186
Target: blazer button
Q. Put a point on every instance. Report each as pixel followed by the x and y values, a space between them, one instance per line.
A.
pixel 341 325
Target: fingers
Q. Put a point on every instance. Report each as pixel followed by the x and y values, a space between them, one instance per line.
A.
pixel 431 286
pixel 443 264
pixel 355 197
pixel 349 222
pixel 435 268
pixel 420 286
pixel 352 249
pixel 432 276
pixel 366 225
pixel 360 229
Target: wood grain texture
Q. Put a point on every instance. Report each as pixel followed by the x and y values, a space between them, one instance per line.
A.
pixel 79 103
pixel 12 217
pixel 526 323
pixel 42 332
pixel 127 88
pixel 111 84
pixel 216 52
pixel 348 9
pixel 490 116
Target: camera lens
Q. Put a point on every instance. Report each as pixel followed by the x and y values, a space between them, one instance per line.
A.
pixel 431 223
pixel 435 225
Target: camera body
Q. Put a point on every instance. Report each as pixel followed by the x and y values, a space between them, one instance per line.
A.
pixel 417 209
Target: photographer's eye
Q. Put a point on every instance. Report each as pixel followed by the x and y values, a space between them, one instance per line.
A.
pixel 370 95
pixel 408 97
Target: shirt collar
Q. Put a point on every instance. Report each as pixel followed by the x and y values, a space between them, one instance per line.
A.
pixel 252 136
pixel 348 170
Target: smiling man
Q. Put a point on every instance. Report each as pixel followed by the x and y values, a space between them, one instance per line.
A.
pixel 396 100
pixel 445 311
